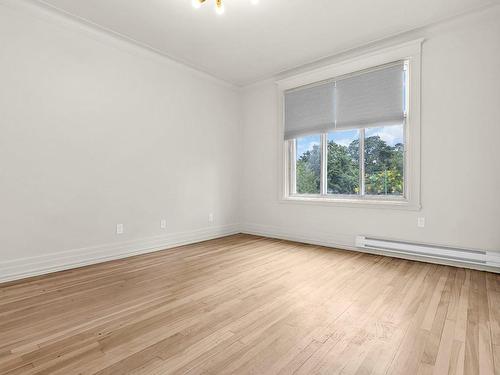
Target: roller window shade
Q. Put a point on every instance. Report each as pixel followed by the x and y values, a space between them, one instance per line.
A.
pixel 371 99
pixel 360 100
pixel 309 110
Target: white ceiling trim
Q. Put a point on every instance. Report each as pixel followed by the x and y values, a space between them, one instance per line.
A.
pixel 41 9
pixel 409 36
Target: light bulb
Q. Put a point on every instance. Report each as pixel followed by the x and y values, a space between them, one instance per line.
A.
pixel 219 9
pixel 254 2
pixel 196 4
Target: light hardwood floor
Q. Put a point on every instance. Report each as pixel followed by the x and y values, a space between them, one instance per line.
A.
pixel 250 305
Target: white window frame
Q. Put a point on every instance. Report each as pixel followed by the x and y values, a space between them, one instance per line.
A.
pixel 410 52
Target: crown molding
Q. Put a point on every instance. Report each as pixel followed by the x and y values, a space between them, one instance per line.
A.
pixel 62 18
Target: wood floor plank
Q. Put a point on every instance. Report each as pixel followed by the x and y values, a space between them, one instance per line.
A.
pixel 252 305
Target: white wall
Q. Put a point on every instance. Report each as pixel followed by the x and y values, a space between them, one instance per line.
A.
pixel 460 142
pixel 95 131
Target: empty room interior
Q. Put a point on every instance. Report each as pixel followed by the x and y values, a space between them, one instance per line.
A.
pixel 249 187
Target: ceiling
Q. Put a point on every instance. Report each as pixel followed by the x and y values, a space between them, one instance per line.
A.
pixel 253 42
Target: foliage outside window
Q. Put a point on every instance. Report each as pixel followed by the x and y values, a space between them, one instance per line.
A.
pixel 376 169
pixel 308 167
pixel 384 162
pixel 343 170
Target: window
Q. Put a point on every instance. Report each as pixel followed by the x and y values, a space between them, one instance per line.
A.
pixel 381 151
pixel 347 139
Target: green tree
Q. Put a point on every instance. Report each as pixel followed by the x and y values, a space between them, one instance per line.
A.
pixel 308 171
pixel 384 168
pixel 343 168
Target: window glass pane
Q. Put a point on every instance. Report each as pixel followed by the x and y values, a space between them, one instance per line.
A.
pixel 384 160
pixel 308 167
pixel 343 162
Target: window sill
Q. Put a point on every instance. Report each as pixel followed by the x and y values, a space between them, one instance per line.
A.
pixel 382 202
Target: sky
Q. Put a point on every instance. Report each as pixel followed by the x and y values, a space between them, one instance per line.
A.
pixel 390 134
pixel 307 143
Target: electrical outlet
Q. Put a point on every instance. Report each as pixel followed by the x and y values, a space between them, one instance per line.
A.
pixel 163 224
pixel 119 228
pixel 211 218
pixel 421 222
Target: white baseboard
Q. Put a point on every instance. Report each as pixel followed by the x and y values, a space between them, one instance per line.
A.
pixel 346 242
pixel 60 261
pixel 64 260
pixel 337 240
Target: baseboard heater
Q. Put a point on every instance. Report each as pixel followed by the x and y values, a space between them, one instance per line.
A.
pixel 466 256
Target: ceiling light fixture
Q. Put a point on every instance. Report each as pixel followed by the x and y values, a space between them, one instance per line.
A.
pixel 219 6
pixel 197 3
